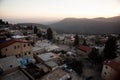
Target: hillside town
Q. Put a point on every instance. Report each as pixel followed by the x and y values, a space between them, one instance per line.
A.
pixel 31 52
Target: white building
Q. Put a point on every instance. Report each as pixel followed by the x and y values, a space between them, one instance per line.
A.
pixel 111 70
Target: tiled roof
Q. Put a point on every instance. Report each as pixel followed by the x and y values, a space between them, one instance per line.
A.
pixel 9 42
pixel 85 48
pixel 113 64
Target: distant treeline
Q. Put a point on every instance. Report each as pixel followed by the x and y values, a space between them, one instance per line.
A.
pixel 3 22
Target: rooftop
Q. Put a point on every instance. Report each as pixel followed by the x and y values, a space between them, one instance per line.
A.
pixel 17 75
pixel 44 45
pixel 46 56
pixel 19 36
pixel 51 64
pixel 113 64
pixel 43 67
pixel 9 42
pixel 51 47
pixel 85 48
pixel 9 63
pixel 56 75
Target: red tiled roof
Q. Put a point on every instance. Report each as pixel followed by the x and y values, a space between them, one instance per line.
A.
pixel 113 64
pixel 85 48
pixel 9 42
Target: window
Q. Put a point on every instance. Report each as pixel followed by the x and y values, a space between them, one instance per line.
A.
pixel 24 45
pixel 28 44
pixel 29 52
pixel 16 55
pixel 106 67
pixel 11 65
pixel 14 47
pixel 19 55
pixel 18 46
pixel 105 73
pixel 6 49
pixel 25 53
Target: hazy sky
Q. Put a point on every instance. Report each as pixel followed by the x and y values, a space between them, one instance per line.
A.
pixel 46 10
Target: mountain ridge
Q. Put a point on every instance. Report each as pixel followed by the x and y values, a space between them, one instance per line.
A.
pixel 83 25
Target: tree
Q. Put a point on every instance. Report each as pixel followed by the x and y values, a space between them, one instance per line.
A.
pixel 110 48
pixel 35 30
pixel 49 34
pixel 84 43
pixel 8 35
pixel 6 22
pixel 39 34
pixel 0 53
pixel 119 36
pixel 76 65
pixel 76 41
pixel 94 55
pixel 0 21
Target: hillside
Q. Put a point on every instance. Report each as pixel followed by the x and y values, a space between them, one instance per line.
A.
pixel 34 24
pixel 88 26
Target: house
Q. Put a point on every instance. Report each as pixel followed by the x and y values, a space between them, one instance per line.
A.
pixel 35 72
pixel 111 70
pixel 19 37
pixel 17 75
pixel 69 40
pixel 85 48
pixel 44 45
pixel 9 64
pixel 15 47
pixel 51 48
pixel 48 59
pixel 57 74
pixel 45 57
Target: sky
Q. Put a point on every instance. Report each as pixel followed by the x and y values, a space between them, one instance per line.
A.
pixel 53 10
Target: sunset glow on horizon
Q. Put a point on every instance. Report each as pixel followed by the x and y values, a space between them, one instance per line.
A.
pixel 47 10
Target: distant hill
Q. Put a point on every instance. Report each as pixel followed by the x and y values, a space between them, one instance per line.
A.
pixel 88 26
pixel 34 24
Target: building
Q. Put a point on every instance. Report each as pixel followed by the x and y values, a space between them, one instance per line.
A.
pixel 48 59
pixel 17 75
pixel 9 64
pixel 51 65
pixel 14 47
pixel 111 70
pixel 69 40
pixel 57 74
pixel 85 48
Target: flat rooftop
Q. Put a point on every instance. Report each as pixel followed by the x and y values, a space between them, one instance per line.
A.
pixel 51 64
pixel 9 63
pixel 17 75
pixel 46 56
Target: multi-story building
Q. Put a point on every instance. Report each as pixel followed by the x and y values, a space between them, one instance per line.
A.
pixel 111 70
pixel 18 48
